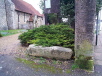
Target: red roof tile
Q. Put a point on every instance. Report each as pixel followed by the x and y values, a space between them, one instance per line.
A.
pixel 23 6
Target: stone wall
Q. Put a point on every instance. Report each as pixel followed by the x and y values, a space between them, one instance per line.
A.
pixel 3 21
pixel 9 17
pixel 16 20
pixel 24 20
pixel 35 20
pixel 12 19
pixel 43 20
pixel 10 9
pixel 21 20
pixel 38 21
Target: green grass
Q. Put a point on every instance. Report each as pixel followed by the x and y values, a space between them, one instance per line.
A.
pixel 40 66
pixel 11 32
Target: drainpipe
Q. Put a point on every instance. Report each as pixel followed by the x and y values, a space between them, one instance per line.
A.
pixel 97 29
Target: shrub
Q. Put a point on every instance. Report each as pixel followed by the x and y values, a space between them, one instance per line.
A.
pixel 0 35
pixel 52 18
pixel 52 35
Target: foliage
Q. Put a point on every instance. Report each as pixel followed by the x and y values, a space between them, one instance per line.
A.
pixel 41 5
pixel 67 9
pixel 0 35
pixel 52 35
pixel 84 62
pixel 52 18
pixel 98 6
pixel 75 66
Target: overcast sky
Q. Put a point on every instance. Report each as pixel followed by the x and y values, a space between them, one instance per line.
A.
pixel 35 4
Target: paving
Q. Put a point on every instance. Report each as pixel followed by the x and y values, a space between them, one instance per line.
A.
pixel 9 66
pixel 98 50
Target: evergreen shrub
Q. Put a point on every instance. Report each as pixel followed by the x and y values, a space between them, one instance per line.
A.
pixel 52 35
pixel 0 35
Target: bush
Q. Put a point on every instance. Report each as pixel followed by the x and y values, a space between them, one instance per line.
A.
pixel 52 35
pixel 0 35
pixel 52 18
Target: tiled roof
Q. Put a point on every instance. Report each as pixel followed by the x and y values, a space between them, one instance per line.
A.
pixel 23 6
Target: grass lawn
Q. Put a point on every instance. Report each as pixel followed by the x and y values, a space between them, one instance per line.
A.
pixel 11 32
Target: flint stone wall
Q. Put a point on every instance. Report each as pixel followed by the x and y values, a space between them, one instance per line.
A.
pixel 10 9
pixel 3 21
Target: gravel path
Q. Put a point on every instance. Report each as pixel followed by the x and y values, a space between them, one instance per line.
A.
pixel 10 45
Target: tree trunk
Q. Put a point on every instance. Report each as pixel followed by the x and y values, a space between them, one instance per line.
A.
pixel 84 27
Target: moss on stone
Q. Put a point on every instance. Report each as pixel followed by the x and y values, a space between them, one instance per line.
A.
pixel 68 71
pixel 84 56
pixel 85 63
pixel 40 66
pixel 85 48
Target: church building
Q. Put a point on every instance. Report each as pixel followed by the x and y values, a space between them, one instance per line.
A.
pixel 18 14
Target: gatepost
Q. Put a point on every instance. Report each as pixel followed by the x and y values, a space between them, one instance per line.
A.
pixel 84 33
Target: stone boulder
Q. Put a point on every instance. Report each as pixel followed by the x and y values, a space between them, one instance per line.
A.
pixel 50 52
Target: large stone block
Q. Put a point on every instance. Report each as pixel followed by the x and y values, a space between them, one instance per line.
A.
pixel 50 52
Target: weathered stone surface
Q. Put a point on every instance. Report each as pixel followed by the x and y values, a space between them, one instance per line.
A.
pixel 3 23
pixel 50 52
pixel 10 9
pixel 25 26
pixel 10 18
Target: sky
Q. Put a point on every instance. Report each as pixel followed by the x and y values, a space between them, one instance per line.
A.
pixel 35 4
